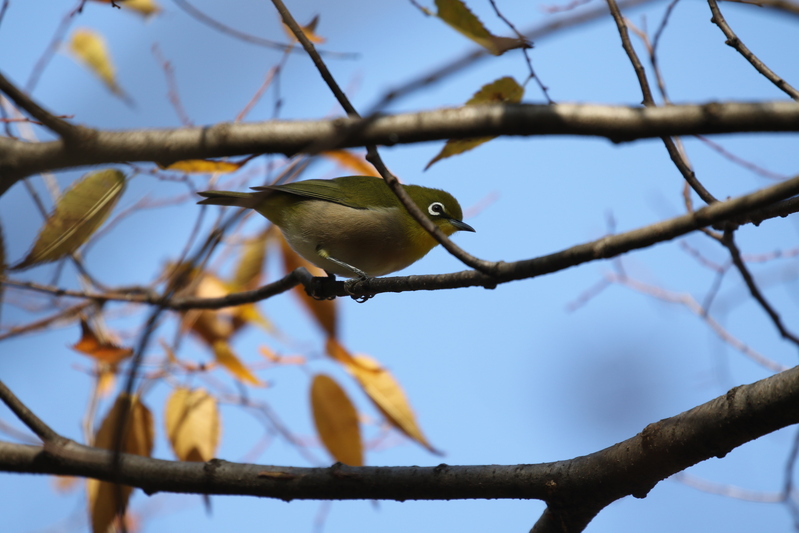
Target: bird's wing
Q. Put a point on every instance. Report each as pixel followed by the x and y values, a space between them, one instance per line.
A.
pixel 370 191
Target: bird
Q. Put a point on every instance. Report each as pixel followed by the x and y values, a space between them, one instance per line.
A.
pixel 351 226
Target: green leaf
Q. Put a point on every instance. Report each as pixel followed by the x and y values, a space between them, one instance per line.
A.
pixel 504 90
pixel 459 17
pixel 78 214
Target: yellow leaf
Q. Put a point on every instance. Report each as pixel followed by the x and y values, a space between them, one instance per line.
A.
pixel 104 498
pixel 102 350
pixel 503 90
pixel 336 421
pixel 90 48
pixel 460 18
pixel 250 266
pixel 226 357
pixel 324 311
pixel 338 352
pixel 207 324
pixel 106 380
pixel 192 424
pixel 202 166
pixel 250 314
pixel 146 8
pixel 309 30
pixel 356 163
pixel 387 395
pixel 78 214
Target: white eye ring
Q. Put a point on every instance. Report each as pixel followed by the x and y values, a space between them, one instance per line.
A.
pixel 436 209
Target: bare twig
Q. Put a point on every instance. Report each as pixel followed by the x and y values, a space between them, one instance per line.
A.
pixel 34 423
pixel 172 86
pixel 737 44
pixel 735 255
pixel 61 127
pixel 682 165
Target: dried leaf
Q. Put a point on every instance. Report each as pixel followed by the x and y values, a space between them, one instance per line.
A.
pixel 503 90
pixel 146 8
pixel 387 395
pixel 98 348
pixel 225 357
pixel 105 499
pixel 250 266
pixel 324 311
pixel 336 421
pixel 192 424
pixel 78 214
pixel 338 352
pixel 459 17
pixel 90 48
pixel 203 166
pixel 209 325
pixel 106 380
pixel 309 30
pixel 65 484
pixel 356 163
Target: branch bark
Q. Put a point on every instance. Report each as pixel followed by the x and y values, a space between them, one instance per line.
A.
pixel 19 159
pixel 574 489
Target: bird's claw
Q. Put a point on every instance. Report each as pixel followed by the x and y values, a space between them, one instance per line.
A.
pixel 350 286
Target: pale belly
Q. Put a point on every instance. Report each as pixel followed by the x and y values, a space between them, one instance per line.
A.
pixel 370 240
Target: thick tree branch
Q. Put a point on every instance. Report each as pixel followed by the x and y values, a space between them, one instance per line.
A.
pixel 19 159
pixel 574 489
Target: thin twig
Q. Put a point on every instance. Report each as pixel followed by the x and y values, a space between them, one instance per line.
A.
pixel 680 162
pixel 34 423
pixel 735 255
pixel 61 127
pixel 737 44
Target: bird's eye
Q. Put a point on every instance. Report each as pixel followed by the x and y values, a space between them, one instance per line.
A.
pixel 436 209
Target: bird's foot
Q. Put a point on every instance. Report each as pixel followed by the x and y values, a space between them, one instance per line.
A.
pixel 351 284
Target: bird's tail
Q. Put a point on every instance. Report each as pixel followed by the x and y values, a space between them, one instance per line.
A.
pixel 229 198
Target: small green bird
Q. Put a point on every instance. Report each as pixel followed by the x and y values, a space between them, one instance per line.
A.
pixel 352 226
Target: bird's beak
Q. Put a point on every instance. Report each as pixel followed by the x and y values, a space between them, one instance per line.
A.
pixel 460 225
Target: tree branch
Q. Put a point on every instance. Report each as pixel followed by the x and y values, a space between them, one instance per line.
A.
pixel 738 210
pixel 741 48
pixel 19 159
pixel 574 489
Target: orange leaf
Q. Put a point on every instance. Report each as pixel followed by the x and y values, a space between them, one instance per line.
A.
pixel 226 357
pixel 104 498
pixel 356 163
pixel 324 311
pixel 100 349
pixel 192 424
pixel 336 421
pixel 309 30
pixel 387 395
pixel 338 352
pixel 203 166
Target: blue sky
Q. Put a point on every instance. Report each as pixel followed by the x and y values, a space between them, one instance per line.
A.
pixel 500 376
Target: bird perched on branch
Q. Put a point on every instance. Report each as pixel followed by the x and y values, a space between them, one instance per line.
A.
pixel 352 226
